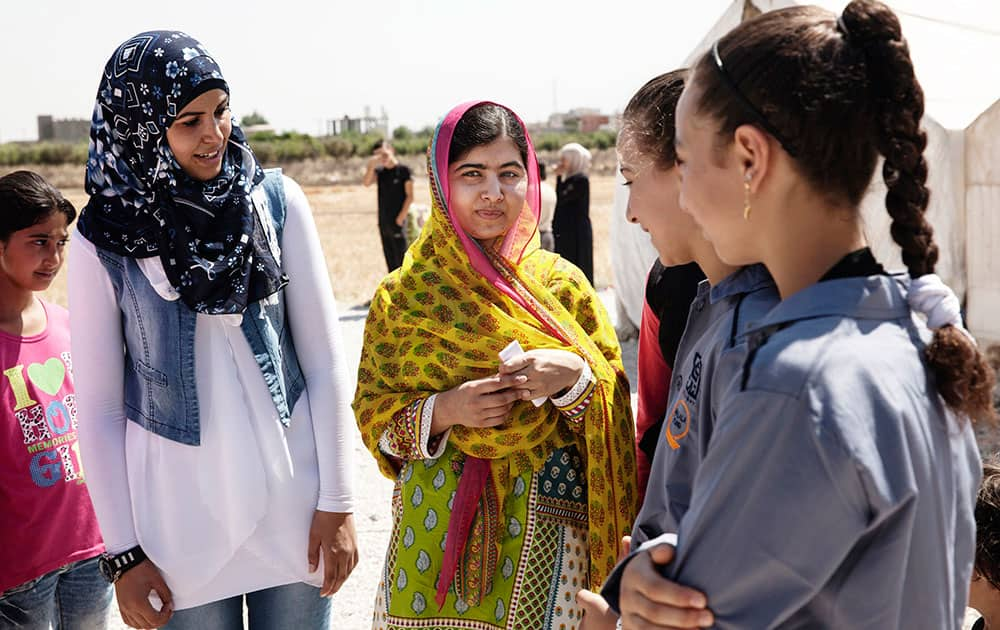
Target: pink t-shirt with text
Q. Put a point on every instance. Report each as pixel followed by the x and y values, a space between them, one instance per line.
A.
pixel 47 518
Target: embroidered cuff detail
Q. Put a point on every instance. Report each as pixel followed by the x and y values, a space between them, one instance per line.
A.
pixel 574 402
pixel 408 436
pixel 431 447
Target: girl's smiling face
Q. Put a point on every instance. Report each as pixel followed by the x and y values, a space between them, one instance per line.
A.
pixel 654 203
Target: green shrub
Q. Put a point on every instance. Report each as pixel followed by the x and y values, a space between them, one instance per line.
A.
pixel 338 147
pixel 48 153
pixel 276 148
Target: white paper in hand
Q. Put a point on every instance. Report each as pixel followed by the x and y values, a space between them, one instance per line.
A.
pixel 155 601
pixel 513 350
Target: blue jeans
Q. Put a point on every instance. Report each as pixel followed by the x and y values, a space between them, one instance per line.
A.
pixel 73 597
pixel 288 607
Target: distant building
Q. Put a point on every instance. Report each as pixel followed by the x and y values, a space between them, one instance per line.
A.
pixel 63 130
pixel 362 124
pixel 580 119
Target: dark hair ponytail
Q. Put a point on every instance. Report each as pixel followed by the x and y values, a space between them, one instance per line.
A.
pixel 836 93
pixel 648 122
pixel 964 379
pixel 898 107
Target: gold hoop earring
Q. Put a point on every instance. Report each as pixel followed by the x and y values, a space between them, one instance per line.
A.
pixel 746 197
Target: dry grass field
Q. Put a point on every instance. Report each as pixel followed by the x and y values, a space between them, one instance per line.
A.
pixel 346 222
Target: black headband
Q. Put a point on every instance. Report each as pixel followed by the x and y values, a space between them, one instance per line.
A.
pixel 747 105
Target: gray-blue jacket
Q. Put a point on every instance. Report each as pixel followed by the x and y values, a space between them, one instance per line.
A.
pixel 837 491
pixel 709 358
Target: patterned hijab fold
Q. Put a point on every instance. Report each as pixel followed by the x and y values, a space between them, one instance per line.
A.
pixel 443 317
pixel 214 248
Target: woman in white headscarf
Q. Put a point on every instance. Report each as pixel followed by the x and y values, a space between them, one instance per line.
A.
pixel 574 236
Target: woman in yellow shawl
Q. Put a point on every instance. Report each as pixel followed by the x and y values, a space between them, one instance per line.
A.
pixel 527 464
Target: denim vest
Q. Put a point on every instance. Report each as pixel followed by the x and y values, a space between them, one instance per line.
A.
pixel 160 388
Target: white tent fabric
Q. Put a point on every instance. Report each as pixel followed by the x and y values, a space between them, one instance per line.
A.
pixel 982 202
pixel 954 46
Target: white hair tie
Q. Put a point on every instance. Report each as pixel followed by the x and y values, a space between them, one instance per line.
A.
pixel 933 298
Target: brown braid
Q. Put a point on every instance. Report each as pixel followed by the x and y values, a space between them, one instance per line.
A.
pixel 899 107
pixel 963 377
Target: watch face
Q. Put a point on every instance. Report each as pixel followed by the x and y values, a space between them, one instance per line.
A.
pixel 104 565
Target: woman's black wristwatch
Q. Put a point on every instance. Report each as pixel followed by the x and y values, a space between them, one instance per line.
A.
pixel 113 567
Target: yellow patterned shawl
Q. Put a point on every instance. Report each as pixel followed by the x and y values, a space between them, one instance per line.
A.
pixel 438 321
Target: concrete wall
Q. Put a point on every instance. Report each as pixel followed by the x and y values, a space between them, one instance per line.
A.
pixel 63 130
pixel 982 200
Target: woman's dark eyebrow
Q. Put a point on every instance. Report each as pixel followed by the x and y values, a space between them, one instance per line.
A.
pixel 221 105
pixel 483 166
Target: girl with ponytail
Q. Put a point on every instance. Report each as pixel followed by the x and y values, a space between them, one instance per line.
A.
pixel 839 486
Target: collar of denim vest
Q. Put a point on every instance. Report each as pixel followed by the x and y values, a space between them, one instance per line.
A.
pixel 744 280
pixel 862 297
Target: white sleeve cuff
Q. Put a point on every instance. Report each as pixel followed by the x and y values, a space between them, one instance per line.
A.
pixel 586 378
pixel 426 419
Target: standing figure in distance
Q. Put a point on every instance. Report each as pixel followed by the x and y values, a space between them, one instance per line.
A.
pixel 395 193
pixel 549 199
pixel 574 236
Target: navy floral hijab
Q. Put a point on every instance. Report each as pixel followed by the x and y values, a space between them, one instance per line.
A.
pixel 213 247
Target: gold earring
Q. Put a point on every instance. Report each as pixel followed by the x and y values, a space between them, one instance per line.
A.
pixel 746 197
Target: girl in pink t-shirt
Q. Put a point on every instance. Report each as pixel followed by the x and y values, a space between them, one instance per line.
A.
pixel 49 537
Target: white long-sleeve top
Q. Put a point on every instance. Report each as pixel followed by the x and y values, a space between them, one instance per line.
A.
pixel 232 515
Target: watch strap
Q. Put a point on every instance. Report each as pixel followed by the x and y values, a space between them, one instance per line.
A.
pixel 117 564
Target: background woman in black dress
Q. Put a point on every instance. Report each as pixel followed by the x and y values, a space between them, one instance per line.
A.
pixel 571 223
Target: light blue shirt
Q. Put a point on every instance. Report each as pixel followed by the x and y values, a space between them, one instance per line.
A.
pixel 837 491
pixel 709 358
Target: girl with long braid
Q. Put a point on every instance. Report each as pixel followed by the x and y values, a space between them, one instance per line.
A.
pixel 839 486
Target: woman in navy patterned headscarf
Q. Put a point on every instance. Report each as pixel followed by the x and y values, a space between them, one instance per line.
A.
pixel 219 452
pixel 143 203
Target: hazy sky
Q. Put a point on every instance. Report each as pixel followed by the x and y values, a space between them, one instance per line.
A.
pixel 301 62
